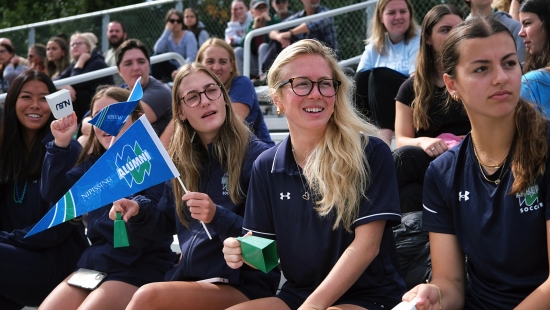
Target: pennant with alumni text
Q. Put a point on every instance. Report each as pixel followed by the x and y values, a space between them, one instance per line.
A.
pixel 112 117
pixel 135 162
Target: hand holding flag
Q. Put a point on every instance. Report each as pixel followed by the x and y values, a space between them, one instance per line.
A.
pixel 136 162
pixel 111 118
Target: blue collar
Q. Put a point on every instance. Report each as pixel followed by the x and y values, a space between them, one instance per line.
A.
pixel 283 160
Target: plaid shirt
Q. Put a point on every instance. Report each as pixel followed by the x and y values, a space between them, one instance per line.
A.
pixel 322 29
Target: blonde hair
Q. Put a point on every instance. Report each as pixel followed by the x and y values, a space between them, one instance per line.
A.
pixel 87 40
pixel 230 146
pixel 221 43
pixel 337 169
pixel 92 146
pixel 378 36
pixel 501 5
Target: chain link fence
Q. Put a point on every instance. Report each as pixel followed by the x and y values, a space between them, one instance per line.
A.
pixel 147 23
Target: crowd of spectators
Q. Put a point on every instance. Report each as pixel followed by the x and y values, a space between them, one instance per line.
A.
pixel 447 121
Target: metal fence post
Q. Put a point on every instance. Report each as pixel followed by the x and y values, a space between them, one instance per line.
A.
pixel 31 36
pixel 104 26
pixel 179 6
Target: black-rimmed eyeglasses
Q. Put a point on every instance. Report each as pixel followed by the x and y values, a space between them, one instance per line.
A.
pixel 303 86
pixel 193 98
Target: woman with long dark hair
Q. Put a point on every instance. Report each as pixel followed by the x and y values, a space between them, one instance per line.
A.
pixel 422 117
pixel 30 267
pixel 58 54
pixel 193 24
pixel 175 38
pixel 535 20
pixel 487 199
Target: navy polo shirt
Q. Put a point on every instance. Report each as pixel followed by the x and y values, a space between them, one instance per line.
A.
pixel 503 235
pixel 307 245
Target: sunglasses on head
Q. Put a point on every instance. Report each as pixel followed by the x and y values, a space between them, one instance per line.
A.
pixel 175 21
pixel 280 1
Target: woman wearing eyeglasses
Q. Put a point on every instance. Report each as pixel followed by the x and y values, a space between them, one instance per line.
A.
pixel 9 66
pixel 174 38
pixel 85 58
pixel 213 151
pixel 327 193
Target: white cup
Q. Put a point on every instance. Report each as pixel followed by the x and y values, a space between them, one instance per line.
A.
pixel 60 103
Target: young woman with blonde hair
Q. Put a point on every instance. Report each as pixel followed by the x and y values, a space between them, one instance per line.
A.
pixel 218 56
pixel 388 60
pixel 85 58
pixel 213 151
pixel 327 193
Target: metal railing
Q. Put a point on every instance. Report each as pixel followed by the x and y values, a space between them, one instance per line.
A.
pixel 106 71
pixel 105 20
pixel 287 24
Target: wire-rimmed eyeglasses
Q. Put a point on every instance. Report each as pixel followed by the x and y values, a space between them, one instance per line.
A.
pixel 193 98
pixel 302 86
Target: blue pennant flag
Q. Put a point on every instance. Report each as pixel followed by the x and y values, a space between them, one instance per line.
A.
pixel 135 162
pixel 112 117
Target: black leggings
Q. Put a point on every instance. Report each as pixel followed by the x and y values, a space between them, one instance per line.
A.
pixel 411 163
pixel 375 95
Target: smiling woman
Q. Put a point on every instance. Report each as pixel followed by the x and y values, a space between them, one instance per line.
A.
pixel 219 57
pixel 45 259
pixel 389 59
pixel 323 182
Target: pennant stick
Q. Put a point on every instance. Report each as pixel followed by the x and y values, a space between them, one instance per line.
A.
pixel 186 191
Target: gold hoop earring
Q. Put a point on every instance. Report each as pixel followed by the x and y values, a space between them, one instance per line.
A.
pixel 279 111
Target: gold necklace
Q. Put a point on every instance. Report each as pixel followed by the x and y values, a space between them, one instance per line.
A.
pixel 492 167
pixel 305 196
pixel 497 181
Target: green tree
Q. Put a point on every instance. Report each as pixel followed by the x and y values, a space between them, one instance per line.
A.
pixel 22 12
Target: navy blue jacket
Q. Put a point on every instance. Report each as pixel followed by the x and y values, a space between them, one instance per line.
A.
pixel 59 178
pixel 203 258
pixel 16 220
pixel 96 62
pixel 86 90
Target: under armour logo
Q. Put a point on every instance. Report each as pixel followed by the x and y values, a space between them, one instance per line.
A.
pixel 287 196
pixel 465 196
